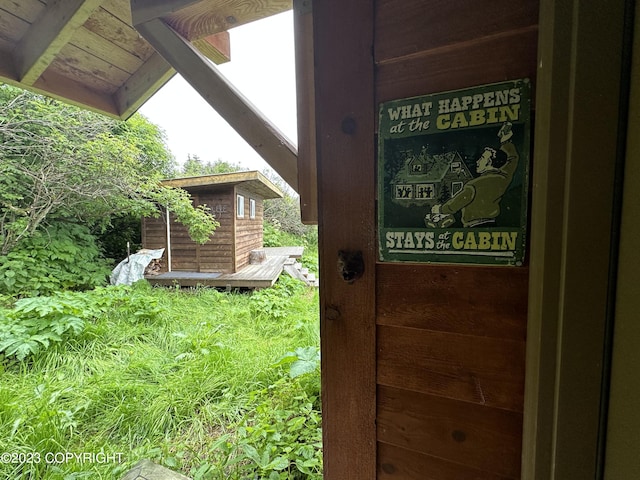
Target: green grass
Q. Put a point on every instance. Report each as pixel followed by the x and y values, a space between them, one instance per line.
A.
pixel 187 378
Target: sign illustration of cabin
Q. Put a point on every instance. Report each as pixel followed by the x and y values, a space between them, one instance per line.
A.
pixel 428 179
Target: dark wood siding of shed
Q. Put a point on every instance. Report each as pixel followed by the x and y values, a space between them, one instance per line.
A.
pixel 217 254
pixel 248 230
pixel 154 236
pixel 450 339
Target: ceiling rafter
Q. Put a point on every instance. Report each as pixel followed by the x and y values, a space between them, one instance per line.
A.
pixel 48 35
pixel 154 73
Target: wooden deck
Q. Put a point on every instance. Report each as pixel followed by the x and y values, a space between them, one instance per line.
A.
pixel 263 275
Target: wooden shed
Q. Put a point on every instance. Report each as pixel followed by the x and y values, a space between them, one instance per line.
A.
pixel 237 201
pixel 431 370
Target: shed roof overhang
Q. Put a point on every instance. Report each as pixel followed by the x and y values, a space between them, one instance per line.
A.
pixel 253 181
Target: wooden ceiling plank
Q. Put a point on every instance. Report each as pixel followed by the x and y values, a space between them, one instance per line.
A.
pixel 27 10
pixel 73 59
pixel 265 138
pixel 109 52
pixel 115 31
pixel 12 28
pixel 49 34
pixel 121 9
pixel 148 79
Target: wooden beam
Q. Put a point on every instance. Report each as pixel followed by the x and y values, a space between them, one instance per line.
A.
pixel 144 10
pixel 305 88
pixel 155 72
pixel 146 81
pixel 54 85
pixel 48 34
pixel 212 16
pixel 216 47
pixel 265 138
pixel 345 133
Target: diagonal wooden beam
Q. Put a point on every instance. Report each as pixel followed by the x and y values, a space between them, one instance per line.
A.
pixel 265 138
pixel 48 34
pixel 155 72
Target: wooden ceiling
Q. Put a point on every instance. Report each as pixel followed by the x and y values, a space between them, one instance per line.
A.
pixel 88 52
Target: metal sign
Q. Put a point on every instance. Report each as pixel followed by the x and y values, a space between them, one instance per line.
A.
pixel 453 176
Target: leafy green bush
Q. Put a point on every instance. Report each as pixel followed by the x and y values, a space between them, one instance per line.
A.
pixel 34 324
pixel 274 302
pixel 64 257
pixel 165 374
pixel 281 438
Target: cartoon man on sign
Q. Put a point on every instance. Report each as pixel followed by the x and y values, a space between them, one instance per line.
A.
pixel 479 199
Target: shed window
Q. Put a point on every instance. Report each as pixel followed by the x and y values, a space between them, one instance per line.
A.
pixel 240 206
pixel 252 208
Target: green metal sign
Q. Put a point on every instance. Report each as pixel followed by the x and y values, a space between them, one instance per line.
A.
pixel 453 176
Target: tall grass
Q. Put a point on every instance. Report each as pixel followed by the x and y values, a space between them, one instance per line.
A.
pixel 166 385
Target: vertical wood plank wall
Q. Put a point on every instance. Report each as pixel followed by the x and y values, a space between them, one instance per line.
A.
pixel 248 230
pixel 228 250
pixel 450 339
pixel 217 254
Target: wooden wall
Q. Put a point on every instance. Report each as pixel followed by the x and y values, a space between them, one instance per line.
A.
pixel 248 230
pixel 227 251
pixel 450 339
pixel 217 255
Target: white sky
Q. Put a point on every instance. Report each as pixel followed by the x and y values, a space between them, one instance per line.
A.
pixel 262 68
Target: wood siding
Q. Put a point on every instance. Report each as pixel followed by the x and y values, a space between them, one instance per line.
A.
pixel 217 254
pixel 229 247
pixel 248 230
pixel 450 339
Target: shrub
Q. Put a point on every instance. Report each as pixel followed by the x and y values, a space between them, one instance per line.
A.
pixel 281 438
pixel 274 302
pixel 63 257
pixel 35 324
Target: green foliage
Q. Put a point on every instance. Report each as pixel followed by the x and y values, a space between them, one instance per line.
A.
pixel 60 162
pixel 273 303
pixel 35 324
pixel 199 221
pixel 303 360
pixel 195 166
pixel 280 439
pixel 64 257
pixel 165 374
